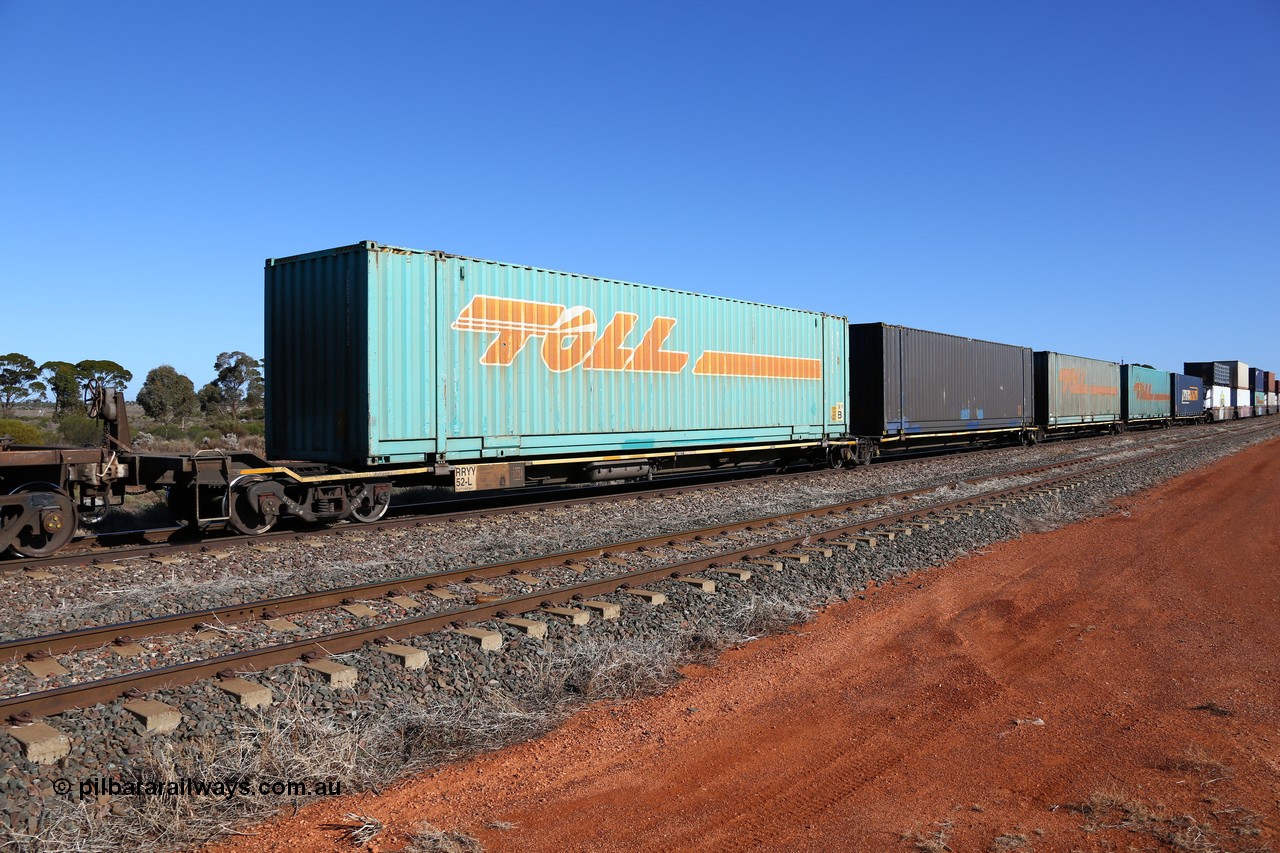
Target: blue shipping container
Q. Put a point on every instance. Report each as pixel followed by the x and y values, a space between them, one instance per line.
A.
pixel 1188 396
pixel 379 355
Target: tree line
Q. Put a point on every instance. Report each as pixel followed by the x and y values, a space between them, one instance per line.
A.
pixel 235 392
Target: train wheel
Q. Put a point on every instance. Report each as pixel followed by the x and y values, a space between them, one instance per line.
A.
pixel 371 503
pixel 247 514
pixel 55 522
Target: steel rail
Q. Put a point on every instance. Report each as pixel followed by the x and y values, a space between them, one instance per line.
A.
pixel 61 699
pixel 495 504
pixel 159 541
pixel 96 636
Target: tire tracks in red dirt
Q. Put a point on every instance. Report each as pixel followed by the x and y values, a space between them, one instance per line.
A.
pixel 1007 701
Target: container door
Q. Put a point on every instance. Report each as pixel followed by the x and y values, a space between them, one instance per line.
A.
pixel 835 375
pixel 401 302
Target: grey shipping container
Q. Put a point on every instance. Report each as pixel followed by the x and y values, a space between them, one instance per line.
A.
pixel 1146 393
pixel 1212 372
pixel 1188 395
pixel 913 383
pixel 1072 391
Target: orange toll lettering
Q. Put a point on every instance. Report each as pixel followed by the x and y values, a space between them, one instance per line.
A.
pixel 1072 380
pixel 1144 391
pixel 514 320
pixel 566 344
pixel 650 357
pixel 609 353
pixel 713 363
pixel 571 338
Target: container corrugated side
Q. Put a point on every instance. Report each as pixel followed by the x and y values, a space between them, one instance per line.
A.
pixel 913 382
pixel 1188 395
pixel 1256 377
pixel 1242 400
pixel 1220 400
pixel 460 358
pixel 1146 395
pixel 1073 390
pixel 1212 372
pixel 316 382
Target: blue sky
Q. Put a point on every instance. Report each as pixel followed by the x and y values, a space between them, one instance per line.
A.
pixel 1098 178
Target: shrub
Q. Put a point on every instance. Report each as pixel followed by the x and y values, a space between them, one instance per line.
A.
pixel 21 432
pixel 80 430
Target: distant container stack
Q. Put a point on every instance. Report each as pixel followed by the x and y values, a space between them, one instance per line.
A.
pixel 1226 387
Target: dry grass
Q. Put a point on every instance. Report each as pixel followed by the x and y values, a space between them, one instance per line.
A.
pixel 1112 810
pixel 361 828
pixel 1008 841
pixel 602 668
pixel 293 742
pixel 929 841
pixel 430 839
pixel 1196 759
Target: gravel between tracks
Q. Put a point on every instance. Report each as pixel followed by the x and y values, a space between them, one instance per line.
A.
pixel 395 720
pixel 139 588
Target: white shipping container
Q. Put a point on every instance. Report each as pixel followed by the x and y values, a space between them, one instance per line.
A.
pixel 1242 399
pixel 1218 402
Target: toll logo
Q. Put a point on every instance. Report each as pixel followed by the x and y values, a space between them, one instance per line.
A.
pixel 1144 391
pixel 1072 380
pixel 571 337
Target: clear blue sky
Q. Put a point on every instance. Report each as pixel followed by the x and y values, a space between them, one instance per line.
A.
pixel 1098 178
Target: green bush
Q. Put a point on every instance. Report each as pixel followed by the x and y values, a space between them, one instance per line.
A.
pixel 80 430
pixel 200 432
pixel 168 432
pixel 21 432
pixel 227 426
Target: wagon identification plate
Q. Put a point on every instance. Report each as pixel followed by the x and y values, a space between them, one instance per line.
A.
pixel 499 475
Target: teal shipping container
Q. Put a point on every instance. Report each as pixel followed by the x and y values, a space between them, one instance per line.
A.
pixel 1072 391
pixel 378 355
pixel 1146 395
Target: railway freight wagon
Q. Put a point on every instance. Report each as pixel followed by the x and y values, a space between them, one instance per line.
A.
pixel 912 387
pixel 1073 393
pixel 1147 396
pixel 491 373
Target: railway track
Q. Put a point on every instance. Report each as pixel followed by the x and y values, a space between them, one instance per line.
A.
pixel 107 547
pixel 129 544
pixel 466 596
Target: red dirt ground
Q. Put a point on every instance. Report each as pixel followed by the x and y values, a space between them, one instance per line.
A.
pixel 911 720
